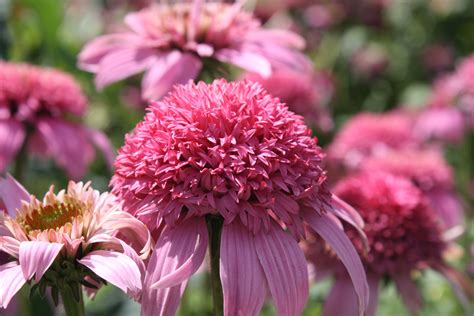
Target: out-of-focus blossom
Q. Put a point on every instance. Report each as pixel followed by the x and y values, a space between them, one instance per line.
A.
pixel 370 134
pixel 370 61
pixel 35 106
pixel 437 57
pixel 176 42
pixel 306 94
pixel 230 153
pixel 444 124
pixel 69 238
pixel 430 172
pixel 404 236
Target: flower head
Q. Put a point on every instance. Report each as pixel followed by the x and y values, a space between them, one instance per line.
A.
pixel 306 94
pixel 37 101
pixel 172 42
pixel 72 236
pixel 404 235
pixel 231 152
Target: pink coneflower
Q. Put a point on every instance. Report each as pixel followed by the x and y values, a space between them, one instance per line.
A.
pixel 35 104
pixel 175 42
pixel 306 94
pixel 231 156
pixel 68 239
pixel 371 134
pixel 430 172
pixel 404 235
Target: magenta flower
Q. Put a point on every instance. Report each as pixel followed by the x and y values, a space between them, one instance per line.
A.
pixel 306 94
pixel 430 172
pixel 230 153
pixel 172 42
pixel 371 134
pixel 404 235
pixel 72 237
pixel 34 105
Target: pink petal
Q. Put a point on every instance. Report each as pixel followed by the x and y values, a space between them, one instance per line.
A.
pixel 11 194
pixel 12 136
pixel 373 281
pixel 116 268
pixel 242 277
pixel 173 248
pixel 36 257
pixel 169 69
pixel 342 299
pixel 448 206
pixel 93 52
pixel 408 291
pixel 249 61
pixel 67 143
pixel 123 63
pixel 461 286
pixel 12 281
pixel 280 37
pixel 193 22
pixel 343 247
pixel 285 269
pixel 102 142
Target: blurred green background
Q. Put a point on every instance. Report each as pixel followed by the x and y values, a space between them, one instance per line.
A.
pixel 407 44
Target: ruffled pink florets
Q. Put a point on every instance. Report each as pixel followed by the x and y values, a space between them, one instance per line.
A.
pixel 226 148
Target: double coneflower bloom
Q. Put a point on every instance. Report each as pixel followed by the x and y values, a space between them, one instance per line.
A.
pixel 174 43
pixel 71 239
pixel 229 157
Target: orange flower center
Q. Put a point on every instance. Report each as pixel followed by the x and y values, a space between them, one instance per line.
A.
pixel 52 216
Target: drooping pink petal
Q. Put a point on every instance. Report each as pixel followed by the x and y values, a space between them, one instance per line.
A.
pixel 170 69
pixel 173 248
pixel 36 257
pixel 281 37
pixel 116 268
pixel 285 269
pixel 193 22
pixel 447 205
pixel 101 141
pixel 242 277
pixel 408 291
pixel 343 247
pixel 12 280
pixel 12 193
pixel 373 281
pixel 247 60
pixel 461 286
pixel 12 136
pixel 123 63
pixel 72 150
pixel 342 299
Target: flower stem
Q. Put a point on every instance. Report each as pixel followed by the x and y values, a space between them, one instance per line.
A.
pixel 73 301
pixel 214 228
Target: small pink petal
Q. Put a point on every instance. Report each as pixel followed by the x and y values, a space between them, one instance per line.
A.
pixel 374 286
pixel 247 60
pixel 116 268
pixel 448 206
pixel 173 248
pixel 193 21
pixel 170 69
pixel 36 257
pixel 12 280
pixel 285 269
pixel 343 247
pixel 123 63
pixel 408 291
pixel 12 193
pixel 12 136
pixel 243 281
pixel 281 37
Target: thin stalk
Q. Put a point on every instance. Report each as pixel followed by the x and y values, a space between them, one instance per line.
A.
pixel 214 228
pixel 73 299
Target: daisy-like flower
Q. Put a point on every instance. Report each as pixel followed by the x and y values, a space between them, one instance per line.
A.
pixel 173 43
pixel 404 235
pixel 35 104
pixel 307 94
pixel 371 134
pixel 232 157
pixel 69 239
pixel 430 172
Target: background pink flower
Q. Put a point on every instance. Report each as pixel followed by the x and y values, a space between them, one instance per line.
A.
pixel 231 154
pixel 35 104
pixel 173 43
pixel 72 237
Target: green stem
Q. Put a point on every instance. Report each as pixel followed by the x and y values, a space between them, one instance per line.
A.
pixel 214 228
pixel 73 300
